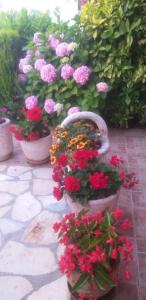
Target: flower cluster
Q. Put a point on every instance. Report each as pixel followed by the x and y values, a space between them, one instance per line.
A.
pixel 86 178
pixel 79 135
pixel 51 60
pixel 94 246
pixel 35 121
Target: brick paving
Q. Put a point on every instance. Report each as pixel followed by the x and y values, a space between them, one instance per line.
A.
pixel 29 249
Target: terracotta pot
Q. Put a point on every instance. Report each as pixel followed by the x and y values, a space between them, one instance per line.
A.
pixel 93 205
pixel 36 152
pixel 99 122
pixel 6 143
pixel 87 289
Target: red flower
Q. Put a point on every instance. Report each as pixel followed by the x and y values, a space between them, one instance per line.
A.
pixel 128 275
pixel 57 192
pixel 72 184
pixel 118 213
pixel 34 114
pixel 85 154
pixel 56 227
pixel 126 224
pixel 98 180
pixel 33 136
pixel 114 254
pixel 19 136
pixel 116 160
pixel 82 164
pixel 12 128
pixel 62 160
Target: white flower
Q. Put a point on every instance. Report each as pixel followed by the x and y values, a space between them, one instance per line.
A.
pixel 59 108
pixel 72 46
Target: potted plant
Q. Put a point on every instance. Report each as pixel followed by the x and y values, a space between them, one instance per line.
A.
pixel 94 247
pixel 88 182
pixel 33 129
pixel 6 143
pixel 80 130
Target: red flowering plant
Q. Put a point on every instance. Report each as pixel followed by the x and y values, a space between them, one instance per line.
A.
pixel 88 178
pixel 34 123
pixel 94 247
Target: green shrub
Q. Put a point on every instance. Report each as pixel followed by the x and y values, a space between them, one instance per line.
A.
pixel 116 43
pixel 9 48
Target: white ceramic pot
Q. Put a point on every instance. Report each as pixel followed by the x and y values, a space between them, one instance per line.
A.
pixel 93 206
pixel 99 122
pixel 6 143
pixel 36 152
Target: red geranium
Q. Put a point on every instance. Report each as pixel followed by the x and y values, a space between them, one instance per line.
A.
pixel 57 192
pixel 85 154
pixel 116 160
pixel 72 184
pixel 98 180
pixel 34 114
pixel 33 136
pixel 62 160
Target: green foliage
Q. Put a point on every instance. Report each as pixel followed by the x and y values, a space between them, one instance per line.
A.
pixel 117 53
pixel 9 44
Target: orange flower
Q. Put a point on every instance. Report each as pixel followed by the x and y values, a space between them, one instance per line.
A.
pixel 52 151
pixel 80 136
pixel 53 160
pixel 55 146
pixel 64 134
pixel 73 141
pixel 81 145
pixel 54 135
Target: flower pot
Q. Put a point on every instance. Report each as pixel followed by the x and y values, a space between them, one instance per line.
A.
pixel 93 205
pixel 36 152
pixel 87 290
pixel 6 143
pixel 99 122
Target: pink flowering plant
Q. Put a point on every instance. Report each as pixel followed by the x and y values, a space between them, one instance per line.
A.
pixel 55 67
pixel 85 177
pixel 94 246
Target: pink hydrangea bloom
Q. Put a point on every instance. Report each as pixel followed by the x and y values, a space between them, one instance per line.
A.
pixel 62 50
pixel 48 73
pixel 22 62
pixel 22 77
pixel 36 38
pixel 49 106
pixel 73 110
pixel 39 63
pixel 53 41
pixel 27 68
pixel 81 75
pixel 31 102
pixel 102 87
pixel 67 71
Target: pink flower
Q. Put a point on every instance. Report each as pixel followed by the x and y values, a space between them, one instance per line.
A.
pixel 37 53
pixel 53 41
pixel 73 110
pixel 27 68
pixel 31 102
pixel 22 77
pixel 49 106
pixel 48 73
pixel 62 50
pixel 39 63
pixel 22 62
pixel 102 87
pixel 81 75
pixel 36 38
pixel 67 72
pixel 29 52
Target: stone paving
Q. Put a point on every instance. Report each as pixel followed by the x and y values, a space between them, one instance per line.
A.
pixel 28 247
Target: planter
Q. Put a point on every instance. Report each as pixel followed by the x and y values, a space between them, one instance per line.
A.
pixel 93 206
pixel 6 143
pixel 99 122
pixel 87 289
pixel 36 152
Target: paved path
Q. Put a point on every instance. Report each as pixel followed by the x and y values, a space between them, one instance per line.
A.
pixel 28 247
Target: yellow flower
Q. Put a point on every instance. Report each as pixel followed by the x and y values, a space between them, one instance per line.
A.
pixel 80 136
pixel 64 134
pixel 53 160
pixel 55 146
pixel 73 141
pixel 52 151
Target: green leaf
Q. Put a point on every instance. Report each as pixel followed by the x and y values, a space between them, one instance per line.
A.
pixel 81 281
